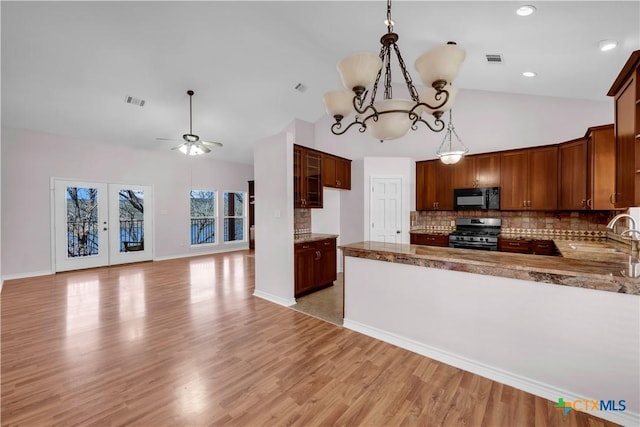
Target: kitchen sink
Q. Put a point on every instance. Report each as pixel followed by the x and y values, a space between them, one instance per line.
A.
pixel 595 248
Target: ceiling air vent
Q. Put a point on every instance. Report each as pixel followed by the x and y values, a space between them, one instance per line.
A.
pixel 494 58
pixel 300 87
pixel 135 101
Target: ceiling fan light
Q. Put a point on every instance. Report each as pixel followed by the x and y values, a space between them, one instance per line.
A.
pixel 359 70
pixel 338 103
pixel 440 63
pixel 391 125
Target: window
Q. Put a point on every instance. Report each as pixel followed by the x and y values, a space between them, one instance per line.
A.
pixel 233 216
pixel 203 217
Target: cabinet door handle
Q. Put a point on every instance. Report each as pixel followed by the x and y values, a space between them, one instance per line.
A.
pixel 589 203
pixel 338 183
pixel 514 244
pixel 318 255
pixel 306 246
pixel 524 203
pixel 583 203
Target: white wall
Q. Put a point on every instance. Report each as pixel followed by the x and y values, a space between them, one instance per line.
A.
pixel 486 121
pixel 273 166
pixel 30 158
pixel 549 340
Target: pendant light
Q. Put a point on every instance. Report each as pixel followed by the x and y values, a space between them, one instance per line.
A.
pixel 451 152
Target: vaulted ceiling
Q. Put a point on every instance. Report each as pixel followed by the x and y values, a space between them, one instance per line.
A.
pixel 68 66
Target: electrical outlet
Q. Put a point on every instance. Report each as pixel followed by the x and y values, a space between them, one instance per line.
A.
pixel 453 223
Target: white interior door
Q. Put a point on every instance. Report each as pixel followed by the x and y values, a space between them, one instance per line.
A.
pixel 130 238
pixel 386 210
pixel 81 225
pixel 99 224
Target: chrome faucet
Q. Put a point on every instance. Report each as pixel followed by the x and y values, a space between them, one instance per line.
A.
pixel 616 218
pixel 632 232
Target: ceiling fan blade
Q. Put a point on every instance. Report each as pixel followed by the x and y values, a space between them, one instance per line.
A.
pixel 168 139
pixel 203 148
pixel 213 143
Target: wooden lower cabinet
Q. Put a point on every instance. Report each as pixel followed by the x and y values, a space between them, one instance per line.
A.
pixel 517 246
pixel 543 247
pixel 315 266
pixel 524 246
pixel 441 240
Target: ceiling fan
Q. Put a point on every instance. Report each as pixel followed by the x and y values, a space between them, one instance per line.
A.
pixel 192 144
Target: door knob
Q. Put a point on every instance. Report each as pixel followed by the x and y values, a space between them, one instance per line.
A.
pixel 397 231
pixel 105 229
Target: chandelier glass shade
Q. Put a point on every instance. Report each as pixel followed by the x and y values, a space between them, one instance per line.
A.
pixel 451 151
pixel 391 118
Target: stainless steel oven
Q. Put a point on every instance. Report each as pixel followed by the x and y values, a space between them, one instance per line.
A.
pixel 476 233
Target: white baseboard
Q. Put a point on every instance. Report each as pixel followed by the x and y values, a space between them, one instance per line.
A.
pixel 529 385
pixel 26 275
pixel 287 302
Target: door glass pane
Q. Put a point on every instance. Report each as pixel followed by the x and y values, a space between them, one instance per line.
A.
pixel 131 206
pixel 82 221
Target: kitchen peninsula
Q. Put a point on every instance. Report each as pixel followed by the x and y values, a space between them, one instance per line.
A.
pixel 552 326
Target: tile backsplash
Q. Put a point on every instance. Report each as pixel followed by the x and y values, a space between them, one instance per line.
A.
pixel 521 222
pixel 302 221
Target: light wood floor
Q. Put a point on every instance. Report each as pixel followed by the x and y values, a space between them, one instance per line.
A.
pixel 184 343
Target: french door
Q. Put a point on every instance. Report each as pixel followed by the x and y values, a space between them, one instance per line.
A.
pixel 99 224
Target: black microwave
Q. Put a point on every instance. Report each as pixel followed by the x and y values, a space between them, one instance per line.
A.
pixel 476 198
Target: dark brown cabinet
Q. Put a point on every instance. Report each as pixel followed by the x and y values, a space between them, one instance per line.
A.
pixel 527 246
pixel 586 177
pixel 336 172
pixel 543 247
pixel 626 93
pixel 441 240
pixel 434 185
pixel 307 177
pixel 315 265
pixel 480 170
pixel 572 179
pixel 601 177
pixel 517 246
pixel 529 179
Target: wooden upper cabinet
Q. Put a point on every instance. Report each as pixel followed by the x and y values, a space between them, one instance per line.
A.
pixel 601 182
pixel 626 93
pixel 307 177
pixel 336 172
pixel 434 186
pixel 514 173
pixel 529 179
pixel 480 170
pixel 572 181
pixel 543 178
pixel 464 173
pixel 488 170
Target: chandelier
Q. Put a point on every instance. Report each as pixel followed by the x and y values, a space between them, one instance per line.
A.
pixel 449 151
pixel 391 118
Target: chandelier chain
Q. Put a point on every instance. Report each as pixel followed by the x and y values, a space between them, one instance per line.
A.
pixel 407 77
pixel 388 91
pixel 389 21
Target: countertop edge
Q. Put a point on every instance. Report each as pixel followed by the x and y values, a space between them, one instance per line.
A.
pixel 551 270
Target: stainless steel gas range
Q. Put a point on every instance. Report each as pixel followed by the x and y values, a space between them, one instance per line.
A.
pixel 476 233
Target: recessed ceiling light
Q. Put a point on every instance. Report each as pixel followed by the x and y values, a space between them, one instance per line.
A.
pixel 529 74
pixel 606 45
pixel 525 10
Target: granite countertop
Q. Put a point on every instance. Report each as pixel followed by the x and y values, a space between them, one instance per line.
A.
pixel 312 237
pixel 584 271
